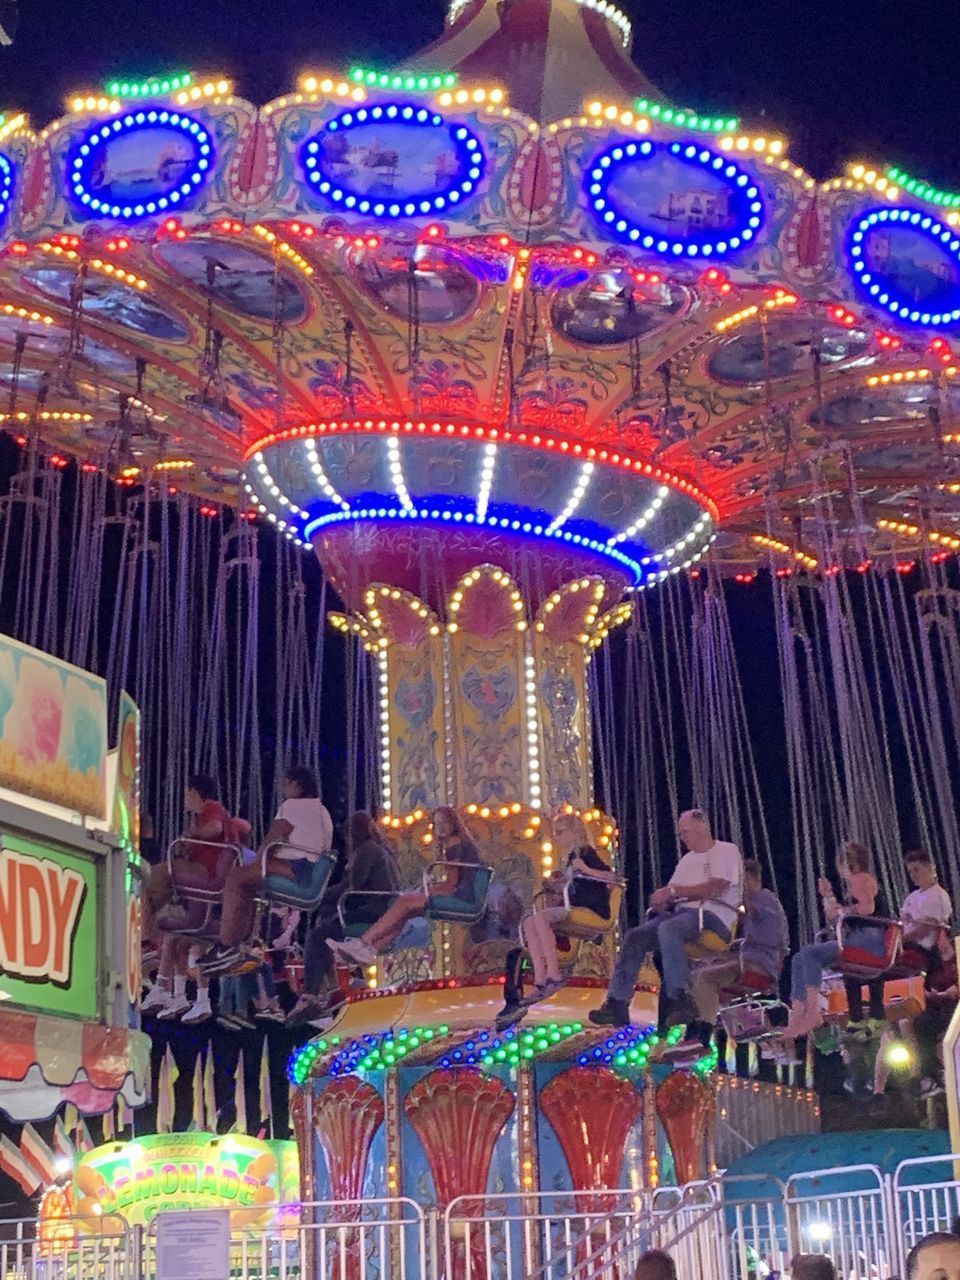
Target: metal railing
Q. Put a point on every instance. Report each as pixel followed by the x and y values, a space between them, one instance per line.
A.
pixel 332 1240
pixel 920 1204
pixel 522 1236
pixel 726 1228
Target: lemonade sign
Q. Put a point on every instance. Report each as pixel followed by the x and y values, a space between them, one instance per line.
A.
pixel 137 1180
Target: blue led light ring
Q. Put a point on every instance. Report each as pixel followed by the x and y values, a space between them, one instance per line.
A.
pixel 6 186
pixel 712 243
pixel 876 284
pixel 423 515
pixel 471 163
pixel 88 153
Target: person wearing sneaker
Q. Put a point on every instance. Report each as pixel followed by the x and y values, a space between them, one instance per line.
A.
pixel 929 1027
pixel 266 1006
pixel 302 823
pixel 168 999
pixel 709 876
pixel 859 897
pixel 197 865
pixel 236 992
pixel 924 914
pixel 453 844
pixel 589 878
pixel 764 946
pixel 371 870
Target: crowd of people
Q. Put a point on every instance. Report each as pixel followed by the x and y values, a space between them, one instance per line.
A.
pixel 364 911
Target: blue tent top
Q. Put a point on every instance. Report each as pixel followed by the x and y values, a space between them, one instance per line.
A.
pixel 783 1158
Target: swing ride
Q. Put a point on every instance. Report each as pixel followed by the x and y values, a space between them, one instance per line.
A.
pixel 526 358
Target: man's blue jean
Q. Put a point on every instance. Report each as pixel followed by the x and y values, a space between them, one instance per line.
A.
pixel 665 935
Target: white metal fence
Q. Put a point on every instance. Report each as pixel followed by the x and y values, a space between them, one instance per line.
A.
pixel 342 1240
pixel 723 1229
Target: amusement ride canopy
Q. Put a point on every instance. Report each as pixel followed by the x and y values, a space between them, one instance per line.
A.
pixel 509 287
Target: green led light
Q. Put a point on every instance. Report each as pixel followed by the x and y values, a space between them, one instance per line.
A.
pixel 155 88
pixel 923 190
pixel 424 83
pixel 686 119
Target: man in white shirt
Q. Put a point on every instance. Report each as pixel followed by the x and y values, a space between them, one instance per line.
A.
pixel 708 875
pixel 923 914
pixel 298 835
pixel 928 908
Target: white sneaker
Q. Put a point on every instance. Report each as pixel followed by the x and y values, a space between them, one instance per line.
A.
pixel 355 949
pixel 269 1010
pixel 158 998
pixel 199 1011
pixel 177 1006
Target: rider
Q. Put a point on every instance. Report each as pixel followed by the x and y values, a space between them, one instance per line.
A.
pixel 590 879
pixel 766 941
pixel 371 878
pixel 300 833
pixel 859 898
pixel 455 845
pixel 708 879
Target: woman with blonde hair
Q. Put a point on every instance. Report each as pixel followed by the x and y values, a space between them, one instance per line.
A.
pixel 858 898
pixel 589 879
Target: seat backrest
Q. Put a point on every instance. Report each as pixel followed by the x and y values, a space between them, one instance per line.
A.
pixel 308 890
pixel 481 885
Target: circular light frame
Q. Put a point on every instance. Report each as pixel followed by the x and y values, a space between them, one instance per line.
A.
pixel 902 308
pixel 470 157
pixel 83 156
pixel 743 186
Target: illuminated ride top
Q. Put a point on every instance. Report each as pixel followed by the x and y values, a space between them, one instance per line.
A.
pixel 505 337
pixel 511 293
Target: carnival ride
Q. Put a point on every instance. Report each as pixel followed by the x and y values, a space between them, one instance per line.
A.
pixel 508 346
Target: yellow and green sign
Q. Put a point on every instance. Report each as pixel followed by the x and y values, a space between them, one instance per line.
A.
pixel 49 936
pixel 137 1180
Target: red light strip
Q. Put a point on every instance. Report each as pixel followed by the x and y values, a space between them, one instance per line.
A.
pixel 503 435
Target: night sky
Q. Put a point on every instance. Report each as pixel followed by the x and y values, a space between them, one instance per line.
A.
pixel 844 79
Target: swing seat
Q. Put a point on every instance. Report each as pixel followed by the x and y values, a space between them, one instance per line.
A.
pixel 708 942
pixel 454 909
pixel 307 895
pixel 859 962
pixel 415 933
pixel 751 983
pixel 195 908
pixel 589 925
pixel 746 1005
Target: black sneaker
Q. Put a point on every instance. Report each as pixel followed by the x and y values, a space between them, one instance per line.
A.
pixel 218 959
pixel 612 1013
pixel 682 1011
pixel 702 1032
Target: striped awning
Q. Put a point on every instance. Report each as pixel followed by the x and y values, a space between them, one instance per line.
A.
pixel 47 1061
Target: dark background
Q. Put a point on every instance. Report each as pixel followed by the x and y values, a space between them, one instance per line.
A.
pixel 861 79
pixel 854 80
